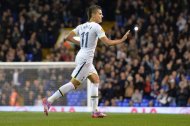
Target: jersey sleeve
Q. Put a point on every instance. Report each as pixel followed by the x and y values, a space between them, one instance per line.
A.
pixel 99 31
pixel 76 30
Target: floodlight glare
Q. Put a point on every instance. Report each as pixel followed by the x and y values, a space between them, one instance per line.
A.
pixel 136 28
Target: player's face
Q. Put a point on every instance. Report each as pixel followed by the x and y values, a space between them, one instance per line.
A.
pixel 98 16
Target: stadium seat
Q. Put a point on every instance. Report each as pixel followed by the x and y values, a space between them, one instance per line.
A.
pixel 101 104
pixel 119 103
pixel 144 103
pixel 172 105
pixel 29 57
pixel 157 104
pixel 125 104
pixel 78 104
pixel 188 78
pixel 136 105
pixel 126 100
pixel 145 100
pixel 76 98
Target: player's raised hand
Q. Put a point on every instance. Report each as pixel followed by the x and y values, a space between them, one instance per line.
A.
pixel 110 42
pixel 126 35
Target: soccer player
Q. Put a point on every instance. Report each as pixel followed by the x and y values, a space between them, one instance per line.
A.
pixel 89 34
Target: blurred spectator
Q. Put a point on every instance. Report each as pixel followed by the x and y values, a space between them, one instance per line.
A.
pixel 14 97
pixel 38 101
pixel 129 87
pixel 147 88
pixel 182 94
pixel 4 101
pixel 172 91
pixel 136 97
pixel 163 98
pixel 16 78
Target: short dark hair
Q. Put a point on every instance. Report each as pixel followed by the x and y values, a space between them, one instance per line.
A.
pixel 92 9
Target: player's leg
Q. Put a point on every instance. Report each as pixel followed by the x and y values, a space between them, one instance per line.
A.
pixel 77 76
pixel 59 93
pixel 94 78
pixel 73 84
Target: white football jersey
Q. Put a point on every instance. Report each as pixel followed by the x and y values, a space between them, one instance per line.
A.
pixel 89 33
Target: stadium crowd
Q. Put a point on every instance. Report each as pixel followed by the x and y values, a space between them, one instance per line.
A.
pixel 151 69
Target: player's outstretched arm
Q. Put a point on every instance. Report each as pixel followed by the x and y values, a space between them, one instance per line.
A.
pixel 70 38
pixel 110 42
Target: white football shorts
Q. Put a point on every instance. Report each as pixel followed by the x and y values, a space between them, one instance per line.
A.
pixel 83 70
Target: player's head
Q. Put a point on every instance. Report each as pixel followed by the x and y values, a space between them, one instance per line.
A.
pixel 94 13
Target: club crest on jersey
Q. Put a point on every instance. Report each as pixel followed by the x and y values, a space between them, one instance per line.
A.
pixel 102 30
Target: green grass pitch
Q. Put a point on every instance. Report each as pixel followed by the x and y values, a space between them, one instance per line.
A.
pixel 84 119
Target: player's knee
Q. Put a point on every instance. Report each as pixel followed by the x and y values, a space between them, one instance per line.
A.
pixel 75 82
pixel 96 81
pixel 94 78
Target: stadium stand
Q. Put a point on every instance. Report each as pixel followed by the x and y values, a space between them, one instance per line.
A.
pixel 151 69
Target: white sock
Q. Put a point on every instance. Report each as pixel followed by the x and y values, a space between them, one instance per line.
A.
pixel 94 97
pixel 61 91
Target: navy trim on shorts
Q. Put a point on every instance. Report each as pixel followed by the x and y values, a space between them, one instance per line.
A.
pixel 60 92
pixel 94 96
pixel 79 70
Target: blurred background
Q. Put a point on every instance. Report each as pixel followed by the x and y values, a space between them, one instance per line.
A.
pixel 152 68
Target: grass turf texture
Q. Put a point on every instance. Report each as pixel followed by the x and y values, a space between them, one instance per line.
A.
pixel 84 119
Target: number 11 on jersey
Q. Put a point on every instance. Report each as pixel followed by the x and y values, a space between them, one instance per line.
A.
pixel 84 36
